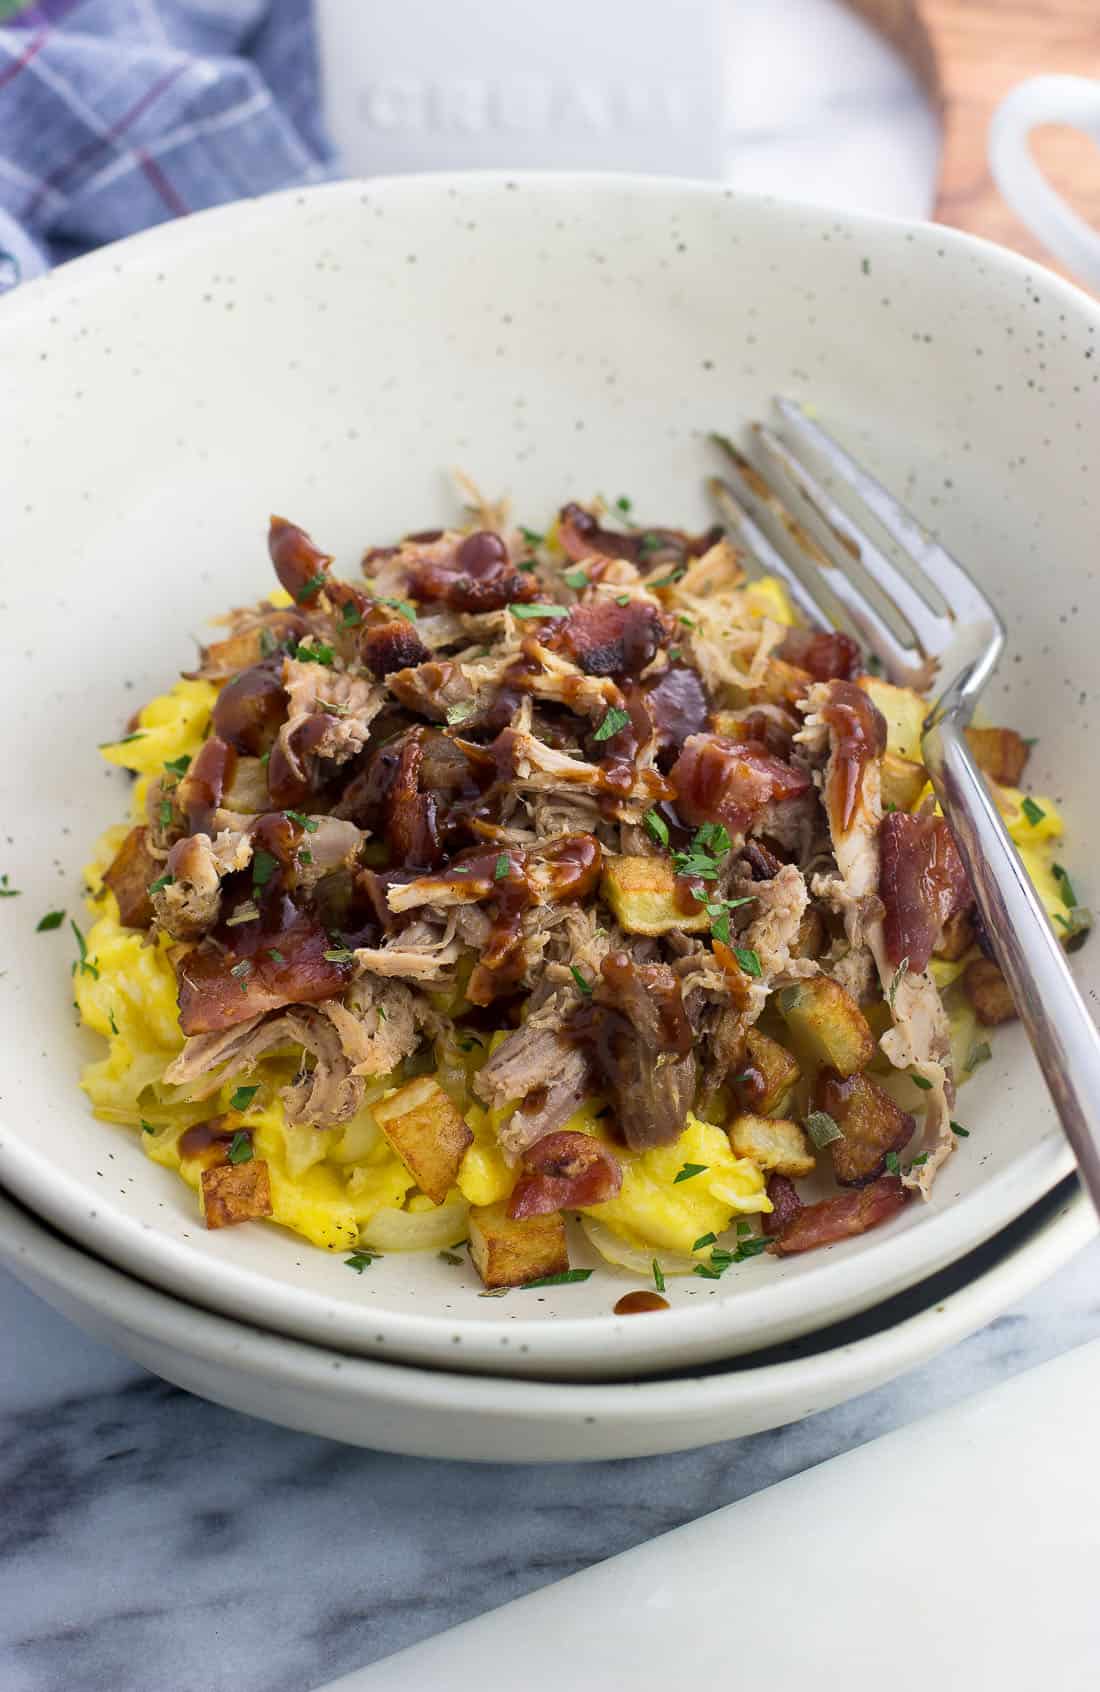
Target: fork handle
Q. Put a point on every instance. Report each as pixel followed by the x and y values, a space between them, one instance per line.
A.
pixel 1065 1039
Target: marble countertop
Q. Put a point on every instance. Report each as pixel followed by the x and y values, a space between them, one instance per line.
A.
pixel 149 1540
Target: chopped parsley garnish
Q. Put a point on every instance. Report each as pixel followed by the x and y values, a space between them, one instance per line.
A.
pixel 458 712
pixel 338 954
pixel 125 739
pixel 382 1013
pixel 922 1082
pixel 667 581
pixel 1033 812
pixel 657 827
pixel 165 813
pixel 719 912
pixel 264 865
pixel 707 1272
pixel 178 766
pixel 310 824
pixel 689 1171
pixel 612 723
pixel 709 846
pixel 918 1161
pixel 7 892
pixel 146 1127
pixel 268 643
pixel 583 984
pixel 240 1147
pixel 978 1054
pixel 963 1133
pixel 1065 886
pixel 892 1163
pixel 274 953
pixel 565 1279
pixel 160 884
pixel 624 504
pixel 404 606
pixel 748 960
pixel 658 1276
pixel 502 866
pixel 524 611
pixel 243 1097
pixel 744 1227
pixel 469 1041
pixel 896 981
pixel 822 1128
pixel 360 1260
pixel 85 964
pixel 874 664
pixel 653 543
pixel 686 622
pixel 532 536
pixel 704 1240
pixel 113 1025
pixel 317 652
pixel 622 599
pixel 575 579
pixel 310 588
pixel 673 654
pixel 351 616
pixel 52 919
pixel 450 1257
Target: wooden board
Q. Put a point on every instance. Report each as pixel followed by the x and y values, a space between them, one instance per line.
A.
pixel 968 54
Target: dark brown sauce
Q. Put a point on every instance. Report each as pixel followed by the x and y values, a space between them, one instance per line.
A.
pixel 637 1303
pixel 859 734
pixel 201 789
pixel 204 1137
pixel 250 709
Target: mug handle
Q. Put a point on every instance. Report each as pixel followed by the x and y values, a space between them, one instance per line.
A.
pixel 1073 100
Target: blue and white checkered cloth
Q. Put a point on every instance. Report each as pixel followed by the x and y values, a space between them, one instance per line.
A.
pixel 117 114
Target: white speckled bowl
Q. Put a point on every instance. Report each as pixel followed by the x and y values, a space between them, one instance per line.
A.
pixel 328 354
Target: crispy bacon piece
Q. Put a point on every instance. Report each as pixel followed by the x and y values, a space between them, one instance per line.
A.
pixel 922 884
pixel 250 710
pixel 858 732
pixel 678 707
pixel 604 638
pixel 479 577
pixel 301 567
pixel 131 870
pixel 835 1219
pixel 786 1205
pixel 386 647
pixel 209 776
pixel 582 537
pixel 826 655
pixel 256 967
pixel 729 781
pixel 564 1171
pixel 235 1192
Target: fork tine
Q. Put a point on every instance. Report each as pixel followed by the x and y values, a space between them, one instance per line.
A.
pixel 901 661
pixel 932 628
pixel 960 592
pixel 756 542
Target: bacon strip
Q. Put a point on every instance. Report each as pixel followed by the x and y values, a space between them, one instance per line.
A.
pixel 835 1219
pixel 564 1171
pixel 728 781
pixel 922 884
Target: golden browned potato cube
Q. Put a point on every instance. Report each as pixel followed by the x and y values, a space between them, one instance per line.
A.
pixel 988 992
pixel 1001 753
pixel 428 1133
pixel 235 1192
pixel 645 897
pixel 508 1253
pixel 770 1073
pixel 774 1144
pixel 903 782
pixel 904 711
pixel 956 938
pixel 869 1119
pixel 128 876
pixel 827 1023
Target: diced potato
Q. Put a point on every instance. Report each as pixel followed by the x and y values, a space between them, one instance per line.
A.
pixel 771 1073
pixel 903 782
pixel 956 939
pixel 645 897
pixel 773 1144
pixel 826 1021
pixel 1001 753
pixel 988 992
pixel 904 711
pixel 235 1192
pixel 871 1122
pixel 508 1253
pixel 129 875
pixel 428 1133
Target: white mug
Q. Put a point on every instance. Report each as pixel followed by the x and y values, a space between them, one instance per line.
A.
pixel 1073 100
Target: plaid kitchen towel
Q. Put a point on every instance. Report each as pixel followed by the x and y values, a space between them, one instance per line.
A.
pixel 116 114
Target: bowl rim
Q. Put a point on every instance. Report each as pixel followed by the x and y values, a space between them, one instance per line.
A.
pixel 48 1190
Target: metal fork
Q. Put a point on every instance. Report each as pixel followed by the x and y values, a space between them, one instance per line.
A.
pixel 939 624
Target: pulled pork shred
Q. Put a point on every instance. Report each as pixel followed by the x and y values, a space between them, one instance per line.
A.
pixel 418 785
